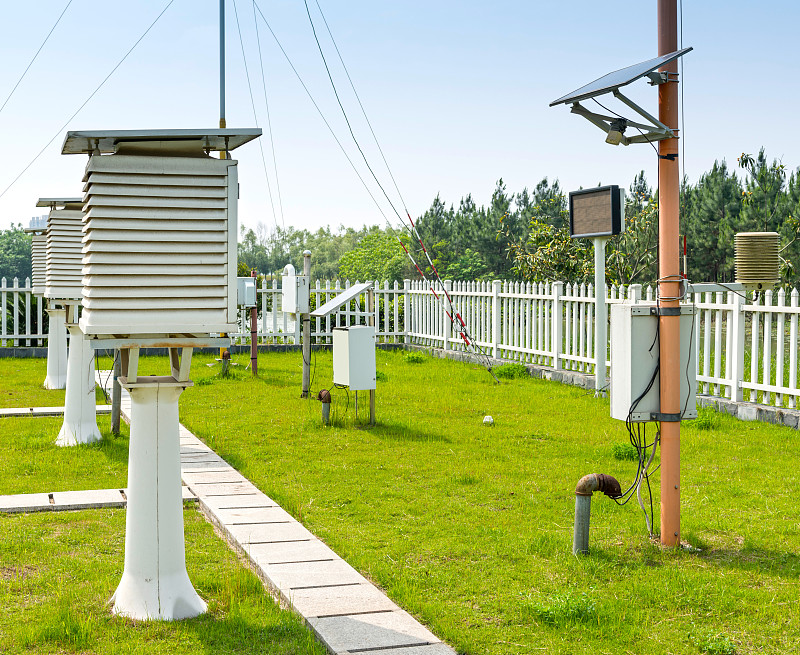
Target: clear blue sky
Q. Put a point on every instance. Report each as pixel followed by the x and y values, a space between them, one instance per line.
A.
pixel 457 92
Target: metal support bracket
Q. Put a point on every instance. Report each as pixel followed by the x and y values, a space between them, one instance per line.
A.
pixel 665 418
pixel 665 311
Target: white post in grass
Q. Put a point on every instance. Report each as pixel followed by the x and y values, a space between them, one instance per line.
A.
pixel 80 408
pixel 56 349
pixel 601 315
pixel 155 584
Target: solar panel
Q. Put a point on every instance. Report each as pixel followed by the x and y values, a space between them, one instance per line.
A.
pixel 615 80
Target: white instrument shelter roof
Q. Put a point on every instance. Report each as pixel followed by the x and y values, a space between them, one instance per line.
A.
pixel 60 202
pixel 107 141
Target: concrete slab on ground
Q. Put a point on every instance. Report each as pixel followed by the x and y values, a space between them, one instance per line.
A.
pixel 24 503
pixel 429 649
pixel 340 601
pixel 268 533
pixel 307 575
pixel 214 477
pixel 365 632
pixel 194 466
pixel 8 412
pixel 237 501
pixel 250 515
pixel 286 552
pixel 93 498
pixel 224 489
pixel 71 500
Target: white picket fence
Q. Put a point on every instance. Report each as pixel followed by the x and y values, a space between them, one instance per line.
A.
pixel 746 347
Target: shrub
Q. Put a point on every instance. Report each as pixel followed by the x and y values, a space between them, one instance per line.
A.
pixel 511 371
pixel 625 451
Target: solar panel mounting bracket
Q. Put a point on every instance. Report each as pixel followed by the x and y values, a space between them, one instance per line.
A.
pixel 654 130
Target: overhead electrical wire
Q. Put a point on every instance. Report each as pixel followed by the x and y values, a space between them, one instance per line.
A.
pixel 255 115
pixel 363 111
pixel 85 102
pixel 319 111
pixel 269 120
pixel 30 63
pixel 453 314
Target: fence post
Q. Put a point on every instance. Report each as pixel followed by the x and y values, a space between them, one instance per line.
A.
pixel 737 325
pixel 446 324
pixel 406 310
pixel 557 326
pixel 496 325
pixel 635 293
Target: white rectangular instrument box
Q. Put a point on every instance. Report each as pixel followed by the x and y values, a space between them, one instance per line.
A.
pixel 296 297
pixel 354 357
pixel 634 357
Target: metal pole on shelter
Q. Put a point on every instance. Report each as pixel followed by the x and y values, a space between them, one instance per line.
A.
pixel 223 154
pixel 669 280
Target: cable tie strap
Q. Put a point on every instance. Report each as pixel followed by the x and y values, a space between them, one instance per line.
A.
pixel 671 156
pixel 665 311
pixel 665 418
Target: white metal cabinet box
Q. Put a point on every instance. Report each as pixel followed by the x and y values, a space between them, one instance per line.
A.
pixel 354 357
pixel 634 356
pixel 296 295
pixel 246 291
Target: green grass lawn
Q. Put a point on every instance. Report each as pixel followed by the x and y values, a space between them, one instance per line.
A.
pixel 470 528
pixel 58 570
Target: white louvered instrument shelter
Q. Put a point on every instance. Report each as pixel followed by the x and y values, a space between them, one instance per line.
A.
pixel 38 263
pixel 159 236
pixel 37 229
pixel 63 248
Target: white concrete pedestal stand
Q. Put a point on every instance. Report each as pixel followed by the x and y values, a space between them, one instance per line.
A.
pixel 80 408
pixel 56 349
pixel 154 583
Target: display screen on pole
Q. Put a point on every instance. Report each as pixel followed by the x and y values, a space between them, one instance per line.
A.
pixel 596 212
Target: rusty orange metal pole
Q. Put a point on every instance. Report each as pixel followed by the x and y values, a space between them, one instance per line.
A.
pixel 669 275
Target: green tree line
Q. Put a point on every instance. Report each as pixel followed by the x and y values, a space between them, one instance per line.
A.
pixel 524 235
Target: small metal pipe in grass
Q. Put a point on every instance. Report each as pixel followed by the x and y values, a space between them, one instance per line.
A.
pixel 586 486
pixel 325 397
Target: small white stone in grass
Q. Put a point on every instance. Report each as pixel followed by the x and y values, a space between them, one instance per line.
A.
pixel 488 421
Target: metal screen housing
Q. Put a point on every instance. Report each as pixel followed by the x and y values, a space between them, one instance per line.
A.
pixel 596 212
pixel 159 252
pixel 63 253
pixel 38 263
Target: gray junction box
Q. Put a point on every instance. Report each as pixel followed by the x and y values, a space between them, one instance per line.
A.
pixel 634 356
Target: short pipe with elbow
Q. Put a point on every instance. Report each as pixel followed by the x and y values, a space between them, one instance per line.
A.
pixel 586 486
